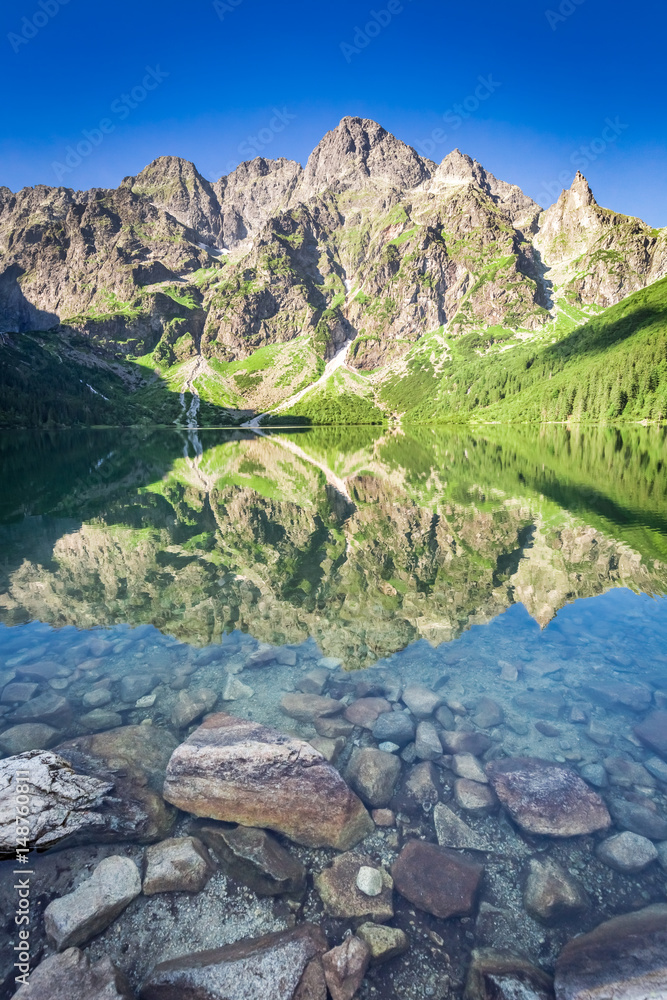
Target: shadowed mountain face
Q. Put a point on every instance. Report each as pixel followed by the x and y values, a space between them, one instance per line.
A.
pixel 361 540
pixel 369 243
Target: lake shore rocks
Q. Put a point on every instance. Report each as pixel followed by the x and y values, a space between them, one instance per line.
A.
pixel 272 966
pixel 75 918
pixel 547 798
pixel 238 771
pixel 437 879
pixel 71 976
pixel 625 957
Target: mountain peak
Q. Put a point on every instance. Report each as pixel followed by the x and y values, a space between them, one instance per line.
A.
pixel 359 153
pixel 579 195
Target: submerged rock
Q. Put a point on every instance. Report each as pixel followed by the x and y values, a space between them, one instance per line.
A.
pixel 48 707
pixel 653 732
pixel 255 858
pixel 624 958
pixel 638 814
pixel 627 852
pixel 551 894
pixel 181 864
pixel 373 775
pixel 462 741
pixel 384 943
pixel 421 701
pixel 474 797
pixel 29 736
pixel 547 798
pixel 453 832
pixel 75 918
pixel 611 694
pixel 345 968
pixel 134 759
pixel 436 879
pixel 71 976
pixel 338 890
pixel 306 707
pixel 488 713
pixel 273 966
pixel 365 711
pixel 191 705
pixel 496 975
pixel 394 727
pixel 242 772
pixel 427 742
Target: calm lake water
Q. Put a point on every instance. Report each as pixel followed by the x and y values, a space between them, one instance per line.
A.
pixel 518 565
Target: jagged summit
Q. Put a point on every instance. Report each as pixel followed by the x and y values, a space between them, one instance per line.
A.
pixel 359 151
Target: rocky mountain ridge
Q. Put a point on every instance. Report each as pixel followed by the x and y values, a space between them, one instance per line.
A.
pixel 369 245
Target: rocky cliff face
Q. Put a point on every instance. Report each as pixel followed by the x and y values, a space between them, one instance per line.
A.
pixel 368 243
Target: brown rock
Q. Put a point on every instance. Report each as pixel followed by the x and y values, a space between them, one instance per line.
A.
pixel 384 817
pixel 345 968
pixel 338 890
pixel 242 772
pixel 543 797
pixel 419 790
pixel 436 879
pixel 384 943
pixel 267 968
pixel 653 732
pixel 306 707
pixel 624 958
pixel 365 711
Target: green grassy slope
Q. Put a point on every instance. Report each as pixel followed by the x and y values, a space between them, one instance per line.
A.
pixel 612 368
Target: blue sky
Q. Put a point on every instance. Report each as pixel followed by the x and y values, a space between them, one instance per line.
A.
pixel 567 84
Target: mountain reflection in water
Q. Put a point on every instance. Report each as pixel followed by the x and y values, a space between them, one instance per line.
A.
pixel 361 540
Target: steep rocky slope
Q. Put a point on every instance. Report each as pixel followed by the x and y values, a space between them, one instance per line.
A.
pixel 369 244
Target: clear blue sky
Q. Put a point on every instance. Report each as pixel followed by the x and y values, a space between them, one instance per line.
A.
pixel 557 72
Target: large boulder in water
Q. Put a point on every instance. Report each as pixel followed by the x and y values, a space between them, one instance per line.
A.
pixel 102 788
pixel 276 966
pixel 239 771
pixel 625 957
pixel 546 798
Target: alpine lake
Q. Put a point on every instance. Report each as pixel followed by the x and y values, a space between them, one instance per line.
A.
pixel 435 611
